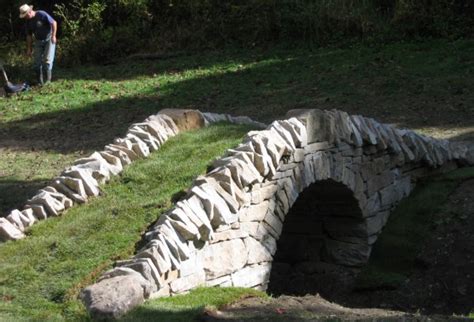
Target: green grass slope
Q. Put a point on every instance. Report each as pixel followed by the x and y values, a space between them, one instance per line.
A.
pixel 41 275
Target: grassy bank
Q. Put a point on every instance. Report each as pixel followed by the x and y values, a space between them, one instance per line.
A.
pixel 189 307
pixel 40 276
pixel 423 86
pixel 394 256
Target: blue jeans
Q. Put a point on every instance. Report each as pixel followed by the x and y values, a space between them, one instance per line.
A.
pixel 43 58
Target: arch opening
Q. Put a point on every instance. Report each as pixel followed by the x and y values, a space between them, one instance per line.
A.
pixel 323 242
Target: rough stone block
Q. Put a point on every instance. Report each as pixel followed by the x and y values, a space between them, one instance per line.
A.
pixel 8 231
pixel 112 298
pixel 257 252
pixel 185 119
pixel 186 283
pixel 224 258
pixel 254 213
pixel 224 281
pixel 348 254
pixel 91 186
pixel 252 276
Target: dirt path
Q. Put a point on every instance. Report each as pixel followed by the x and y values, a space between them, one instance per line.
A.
pixel 309 308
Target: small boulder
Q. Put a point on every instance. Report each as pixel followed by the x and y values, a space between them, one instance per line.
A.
pixel 113 297
pixel 185 119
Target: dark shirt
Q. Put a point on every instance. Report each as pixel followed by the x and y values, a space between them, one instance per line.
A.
pixel 40 25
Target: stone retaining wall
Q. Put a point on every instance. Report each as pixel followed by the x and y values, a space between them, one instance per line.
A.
pixel 224 232
pixel 80 182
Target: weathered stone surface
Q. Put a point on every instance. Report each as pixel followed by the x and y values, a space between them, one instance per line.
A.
pixel 320 125
pixel 274 222
pixel 224 258
pixel 113 297
pixel 63 199
pixel 28 213
pixel 283 133
pixel 210 185
pixel 16 218
pixel 260 194
pixel 257 252
pixel 229 235
pixel 300 128
pixel 216 208
pixel 147 269
pixel 166 125
pixel 182 223
pixel 100 167
pixel 151 141
pixel 38 211
pixel 252 276
pixel 255 212
pixel 91 186
pixel 223 175
pixel 224 281
pixel 119 153
pixel 9 231
pixel 176 245
pixel 188 282
pixel 161 263
pixel 71 187
pixel 348 254
pixel 185 119
pixel 193 207
pixel 126 146
pixel 294 131
pixel 52 206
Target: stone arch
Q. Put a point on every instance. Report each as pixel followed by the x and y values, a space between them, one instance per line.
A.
pixel 325 213
pixel 224 232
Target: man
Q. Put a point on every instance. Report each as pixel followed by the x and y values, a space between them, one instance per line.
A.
pixel 43 27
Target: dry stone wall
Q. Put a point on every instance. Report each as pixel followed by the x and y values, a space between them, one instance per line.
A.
pixel 80 182
pixel 224 232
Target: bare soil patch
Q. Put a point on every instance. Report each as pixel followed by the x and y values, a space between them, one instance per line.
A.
pixel 309 308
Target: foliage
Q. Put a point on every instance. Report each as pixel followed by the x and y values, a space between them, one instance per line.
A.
pixel 100 30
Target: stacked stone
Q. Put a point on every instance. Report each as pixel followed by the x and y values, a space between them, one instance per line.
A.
pixel 81 181
pixel 202 240
pixel 215 118
pixel 225 231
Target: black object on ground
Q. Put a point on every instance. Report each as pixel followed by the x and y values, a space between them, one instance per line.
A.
pixel 11 88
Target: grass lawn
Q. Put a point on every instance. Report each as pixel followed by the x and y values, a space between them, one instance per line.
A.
pixel 424 86
pixel 41 275
pixel 189 307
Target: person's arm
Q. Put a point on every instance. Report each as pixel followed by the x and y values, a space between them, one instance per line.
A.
pixel 54 28
pixel 29 43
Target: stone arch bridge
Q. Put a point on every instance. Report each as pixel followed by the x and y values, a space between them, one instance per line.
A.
pixel 326 179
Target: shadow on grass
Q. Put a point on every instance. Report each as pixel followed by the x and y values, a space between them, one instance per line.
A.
pixel 144 313
pixel 264 89
pixel 14 193
pixel 85 129
pixel 256 313
pixel 378 83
